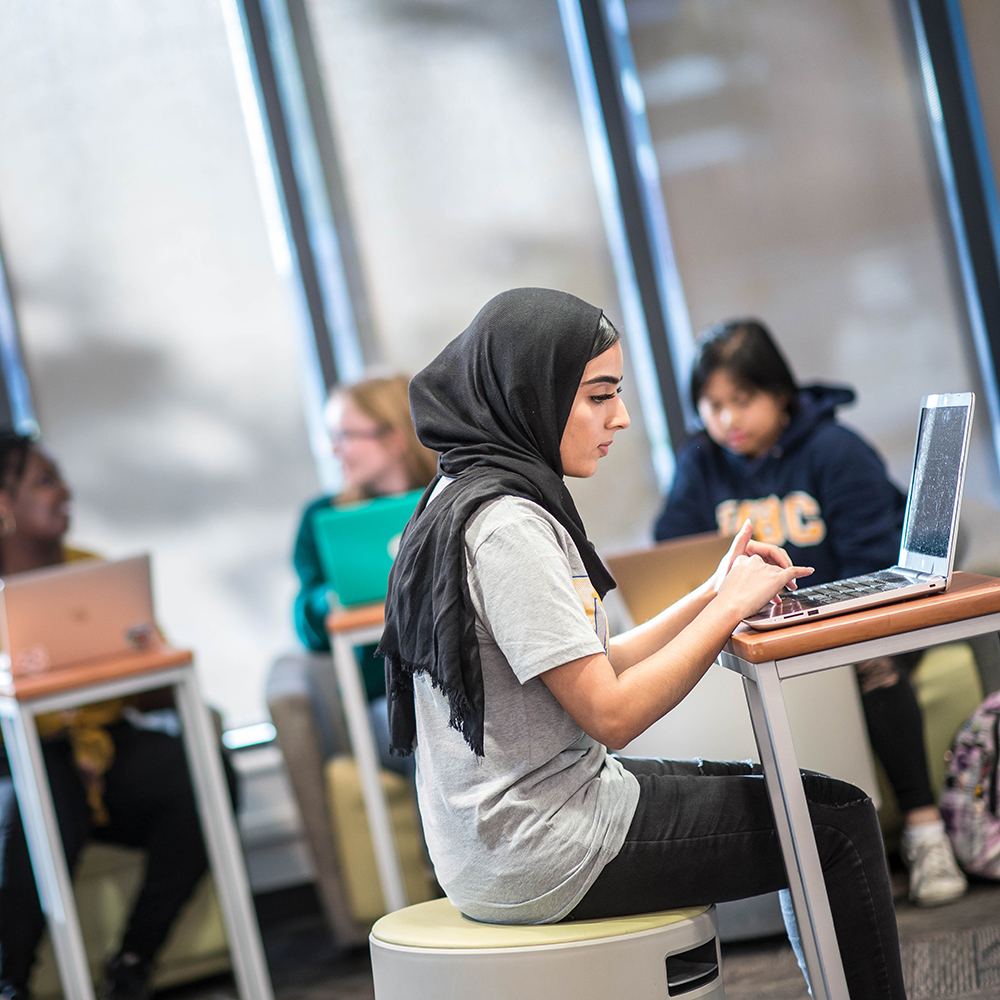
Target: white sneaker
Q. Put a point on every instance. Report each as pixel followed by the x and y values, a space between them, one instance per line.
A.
pixel 935 877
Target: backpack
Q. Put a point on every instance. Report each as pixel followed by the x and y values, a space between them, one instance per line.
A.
pixel 969 804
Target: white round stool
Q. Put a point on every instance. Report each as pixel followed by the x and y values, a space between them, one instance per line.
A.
pixel 431 951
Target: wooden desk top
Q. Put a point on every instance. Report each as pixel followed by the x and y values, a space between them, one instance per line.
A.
pixel 94 672
pixel 363 616
pixel 969 596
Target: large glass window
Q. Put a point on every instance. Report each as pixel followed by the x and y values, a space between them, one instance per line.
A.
pixel 798 191
pixel 982 27
pixel 156 333
pixel 160 341
pixel 467 174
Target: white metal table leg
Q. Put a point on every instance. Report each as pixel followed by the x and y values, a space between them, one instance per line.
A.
pixel 795 833
pixel 222 841
pixel 48 860
pixel 390 872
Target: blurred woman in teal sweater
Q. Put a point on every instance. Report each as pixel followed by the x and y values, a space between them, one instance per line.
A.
pixel 380 455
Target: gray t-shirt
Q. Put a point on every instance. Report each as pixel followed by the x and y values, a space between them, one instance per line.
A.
pixel 520 835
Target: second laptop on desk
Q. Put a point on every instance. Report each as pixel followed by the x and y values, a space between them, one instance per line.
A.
pixel 930 526
pixel 357 544
pixel 69 614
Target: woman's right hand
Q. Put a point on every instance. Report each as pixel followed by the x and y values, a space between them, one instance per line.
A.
pixel 744 545
pixel 752 582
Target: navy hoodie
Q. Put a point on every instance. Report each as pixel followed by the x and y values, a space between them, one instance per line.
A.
pixel 821 493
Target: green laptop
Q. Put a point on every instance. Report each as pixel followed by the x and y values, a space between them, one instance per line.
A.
pixel 357 544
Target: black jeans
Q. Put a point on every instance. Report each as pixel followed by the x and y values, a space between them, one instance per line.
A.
pixel 703 832
pixel 148 795
pixel 896 729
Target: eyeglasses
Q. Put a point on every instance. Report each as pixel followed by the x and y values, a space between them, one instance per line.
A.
pixel 339 437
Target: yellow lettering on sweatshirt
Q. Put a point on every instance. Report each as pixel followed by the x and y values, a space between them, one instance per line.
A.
pixel 796 519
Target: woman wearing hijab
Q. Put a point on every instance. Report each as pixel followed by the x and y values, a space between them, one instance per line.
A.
pixel 504 683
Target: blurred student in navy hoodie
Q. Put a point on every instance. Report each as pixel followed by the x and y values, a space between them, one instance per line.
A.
pixel 774 452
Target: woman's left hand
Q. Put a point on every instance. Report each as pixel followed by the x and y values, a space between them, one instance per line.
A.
pixel 744 545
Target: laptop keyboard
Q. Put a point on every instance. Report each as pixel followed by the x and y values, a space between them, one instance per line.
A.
pixel 846 590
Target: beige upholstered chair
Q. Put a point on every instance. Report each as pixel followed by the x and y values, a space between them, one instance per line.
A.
pixel 311 731
pixel 107 879
pixel 106 882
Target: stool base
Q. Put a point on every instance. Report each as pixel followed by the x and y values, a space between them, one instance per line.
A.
pixel 632 965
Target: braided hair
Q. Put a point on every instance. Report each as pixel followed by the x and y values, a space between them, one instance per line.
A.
pixel 14 450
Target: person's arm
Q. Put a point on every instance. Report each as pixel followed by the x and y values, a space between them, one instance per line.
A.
pixel 311 602
pixel 688 509
pixel 630 647
pixel 614 708
pixel 522 586
pixel 862 509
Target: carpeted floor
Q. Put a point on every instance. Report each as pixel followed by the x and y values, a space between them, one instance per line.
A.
pixel 952 952
pixel 949 952
pixel 966 964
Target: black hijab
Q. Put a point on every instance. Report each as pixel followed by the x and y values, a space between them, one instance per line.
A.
pixel 494 404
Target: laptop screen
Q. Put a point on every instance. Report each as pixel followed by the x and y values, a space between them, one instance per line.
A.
pixel 936 479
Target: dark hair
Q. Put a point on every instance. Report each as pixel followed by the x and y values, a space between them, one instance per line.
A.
pixel 14 450
pixel 606 338
pixel 746 351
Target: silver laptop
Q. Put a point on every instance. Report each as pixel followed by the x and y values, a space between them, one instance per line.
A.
pixel 930 526
pixel 65 615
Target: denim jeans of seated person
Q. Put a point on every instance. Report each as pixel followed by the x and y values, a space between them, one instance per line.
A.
pixel 378 715
pixel 703 832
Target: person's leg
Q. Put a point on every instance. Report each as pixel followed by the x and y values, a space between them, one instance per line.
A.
pixel 151 804
pixel 896 728
pixel 21 919
pixel 703 832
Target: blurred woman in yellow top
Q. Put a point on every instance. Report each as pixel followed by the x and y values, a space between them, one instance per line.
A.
pixel 110 780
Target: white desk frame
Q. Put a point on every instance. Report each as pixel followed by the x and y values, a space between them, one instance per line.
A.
pixel 48 860
pixel 390 872
pixel 762 683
